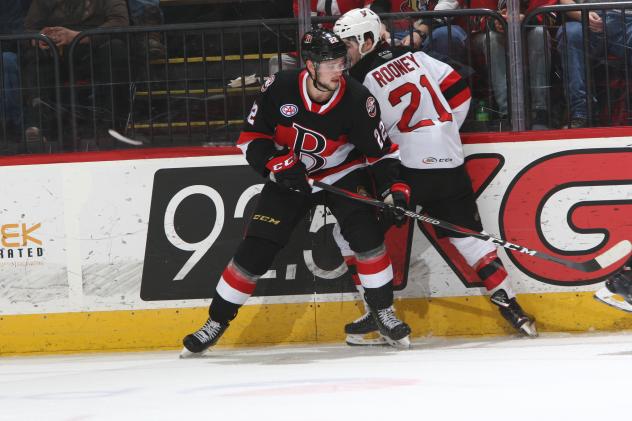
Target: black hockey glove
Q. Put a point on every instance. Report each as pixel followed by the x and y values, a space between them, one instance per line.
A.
pixel 289 172
pixel 397 195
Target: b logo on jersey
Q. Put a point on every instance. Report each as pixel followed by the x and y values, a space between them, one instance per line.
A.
pixel 310 144
pixel 289 110
pixel 371 108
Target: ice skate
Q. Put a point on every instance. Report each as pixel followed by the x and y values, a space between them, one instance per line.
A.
pixel 197 343
pixel 513 313
pixel 394 331
pixel 358 330
pixel 618 291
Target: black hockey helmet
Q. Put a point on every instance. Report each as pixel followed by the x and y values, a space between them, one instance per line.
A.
pixel 321 45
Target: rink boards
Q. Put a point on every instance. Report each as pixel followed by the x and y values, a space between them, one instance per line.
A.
pixel 122 250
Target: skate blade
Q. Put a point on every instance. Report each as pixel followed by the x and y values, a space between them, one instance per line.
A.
pixel 613 300
pixel 529 329
pixel 186 354
pixel 360 340
pixel 403 343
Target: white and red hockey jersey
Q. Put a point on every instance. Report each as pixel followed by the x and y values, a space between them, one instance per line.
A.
pixel 423 101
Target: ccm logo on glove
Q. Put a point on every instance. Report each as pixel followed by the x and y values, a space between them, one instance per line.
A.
pixel 289 172
pixel 281 163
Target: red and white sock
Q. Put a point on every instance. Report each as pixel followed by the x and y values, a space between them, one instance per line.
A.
pixel 374 268
pixel 236 285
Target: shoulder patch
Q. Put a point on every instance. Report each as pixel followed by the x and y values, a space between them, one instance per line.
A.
pixel 371 108
pixel 385 54
pixel 288 110
pixel 269 81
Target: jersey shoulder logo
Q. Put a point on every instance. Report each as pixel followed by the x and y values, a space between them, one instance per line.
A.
pixel 371 108
pixel 289 110
pixel 386 55
pixel 269 81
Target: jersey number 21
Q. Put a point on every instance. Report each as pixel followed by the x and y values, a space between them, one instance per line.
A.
pixel 395 97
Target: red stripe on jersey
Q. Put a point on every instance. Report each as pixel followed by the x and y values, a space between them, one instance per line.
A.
pixel 449 80
pixel 460 98
pixel 373 265
pixel 331 104
pixel 337 169
pixel 302 88
pixel 237 280
pixel 313 106
pixel 245 137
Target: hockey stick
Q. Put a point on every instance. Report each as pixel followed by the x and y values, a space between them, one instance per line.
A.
pixel 116 135
pixel 609 257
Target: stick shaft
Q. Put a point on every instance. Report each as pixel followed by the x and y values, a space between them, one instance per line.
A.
pixel 611 256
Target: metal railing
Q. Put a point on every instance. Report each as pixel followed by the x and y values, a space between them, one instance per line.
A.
pixel 199 89
pixel 587 94
pixel 185 96
pixel 23 101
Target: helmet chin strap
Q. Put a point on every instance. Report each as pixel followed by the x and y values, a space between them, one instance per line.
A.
pixel 317 84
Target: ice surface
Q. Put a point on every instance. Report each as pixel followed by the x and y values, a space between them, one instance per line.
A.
pixel 555 377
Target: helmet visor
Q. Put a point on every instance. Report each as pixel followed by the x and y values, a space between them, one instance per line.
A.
pixel 336 65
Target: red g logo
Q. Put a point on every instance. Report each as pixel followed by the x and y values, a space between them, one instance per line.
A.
pixel 574 205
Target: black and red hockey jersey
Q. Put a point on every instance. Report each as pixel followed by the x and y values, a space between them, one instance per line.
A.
pixel 424 102
pixel 331 139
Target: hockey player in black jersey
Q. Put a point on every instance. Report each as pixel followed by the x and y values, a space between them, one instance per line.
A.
pixel 316 123
pixel 424 102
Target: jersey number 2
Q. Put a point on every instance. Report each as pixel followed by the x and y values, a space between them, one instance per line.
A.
pixel 395 97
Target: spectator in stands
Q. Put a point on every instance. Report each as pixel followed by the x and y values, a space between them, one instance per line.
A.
pixel 148 13
pixel 618 38
pixel 62 21
pixel 490 34
pixel 318 8
pixel 11 22
pixel 440 36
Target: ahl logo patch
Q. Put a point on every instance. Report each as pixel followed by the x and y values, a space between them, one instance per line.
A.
pixel 289 110
pixel 371 108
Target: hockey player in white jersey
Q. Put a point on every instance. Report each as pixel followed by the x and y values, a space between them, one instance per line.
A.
pixel 424 102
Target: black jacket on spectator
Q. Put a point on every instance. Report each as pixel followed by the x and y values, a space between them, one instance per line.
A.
pixel 12 16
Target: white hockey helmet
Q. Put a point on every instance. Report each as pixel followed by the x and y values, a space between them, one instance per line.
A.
pixel 356 23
